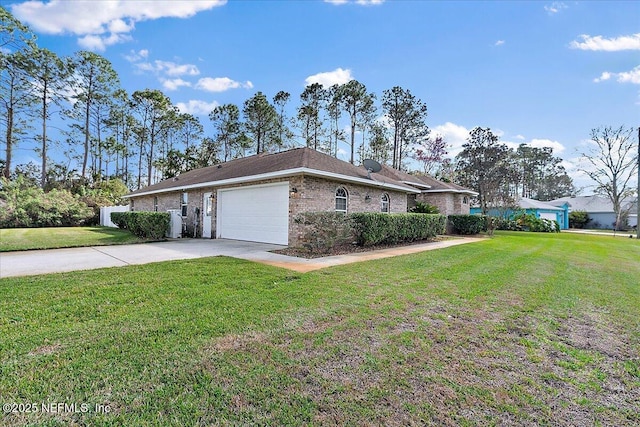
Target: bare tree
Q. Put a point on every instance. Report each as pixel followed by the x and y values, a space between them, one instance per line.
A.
pixel 612 164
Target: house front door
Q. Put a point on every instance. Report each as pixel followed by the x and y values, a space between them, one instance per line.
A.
pixel 206 215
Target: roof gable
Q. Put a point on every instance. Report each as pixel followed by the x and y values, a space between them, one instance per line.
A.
pixel 426 183
pixel 526 203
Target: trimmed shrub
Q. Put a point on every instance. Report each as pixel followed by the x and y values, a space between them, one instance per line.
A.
pixel 380 228
pixel 468 224
pixel 325 230
pixel 146 225
pixel 506 224
pixel 424 208
pixel 578 219
pixel 529 222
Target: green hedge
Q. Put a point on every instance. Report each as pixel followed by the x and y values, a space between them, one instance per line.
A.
pixel 468 224
pixel 147 225
pixel 381 228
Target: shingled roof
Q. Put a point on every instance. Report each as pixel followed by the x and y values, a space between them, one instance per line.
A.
pixel 425 182
pixel 297 161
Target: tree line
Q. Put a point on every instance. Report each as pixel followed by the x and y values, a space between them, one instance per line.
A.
pixel 501 175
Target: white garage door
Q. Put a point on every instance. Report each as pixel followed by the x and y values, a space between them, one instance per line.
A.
pixel 549 215
pixel 259 213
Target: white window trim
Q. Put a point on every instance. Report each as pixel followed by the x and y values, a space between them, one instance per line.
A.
pixel 382 203
pixel 345 197
pixel 184 203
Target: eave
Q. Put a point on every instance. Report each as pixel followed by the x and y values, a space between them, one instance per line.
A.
pixel 279 174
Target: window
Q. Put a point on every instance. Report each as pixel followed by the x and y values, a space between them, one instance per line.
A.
pixel 465 200
pixel 184 202
pixel 385 203
pixel 132 205
pixel 208 204
pixel 341 200
pixel 155 204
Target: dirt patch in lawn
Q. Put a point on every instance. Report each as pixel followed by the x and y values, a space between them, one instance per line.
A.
pixel 439 364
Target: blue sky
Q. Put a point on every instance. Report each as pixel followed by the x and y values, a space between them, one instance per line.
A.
pixel 543 73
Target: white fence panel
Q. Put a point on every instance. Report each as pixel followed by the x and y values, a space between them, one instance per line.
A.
pixel 105 214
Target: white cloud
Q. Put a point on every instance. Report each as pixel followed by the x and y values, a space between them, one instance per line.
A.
pixel 120 26
pixel 541 143
pixel 330 78
pixel 134 56
pixel 173 69
pixel 99 43
pixel 604 76
pixel 631 42
pixel 336 2
pixel 555 7
pixel 520 137
pixel 632 76
pixel 220 84
pixel 167 68
pixel 170 73
pixel 499 43
pixel 454 135
pixel 196 107
pixel 98 23
pixel 174 84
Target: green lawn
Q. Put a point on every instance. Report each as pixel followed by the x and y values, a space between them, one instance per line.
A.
pixel 20 239
pixel 532 329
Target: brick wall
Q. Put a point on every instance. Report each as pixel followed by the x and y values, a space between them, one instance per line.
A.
pixel 319 195
pixel 447 203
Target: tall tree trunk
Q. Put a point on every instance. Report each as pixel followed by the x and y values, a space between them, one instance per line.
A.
pixel 152 142
pixel 43 179
pixel 9 136
pixel 140 167
pixel 353 139
pixel 85 158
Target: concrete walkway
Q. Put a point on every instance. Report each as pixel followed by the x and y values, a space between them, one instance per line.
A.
pixel 603 233
pixel 24 263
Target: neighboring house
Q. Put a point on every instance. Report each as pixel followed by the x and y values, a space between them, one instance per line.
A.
pixel 599 209
pixel 257 198
pixel 544 210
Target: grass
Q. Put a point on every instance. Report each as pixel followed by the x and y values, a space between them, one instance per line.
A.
pixel 522 328
pixel 20 239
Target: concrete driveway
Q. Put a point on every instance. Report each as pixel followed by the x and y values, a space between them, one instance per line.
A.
pixel 26 263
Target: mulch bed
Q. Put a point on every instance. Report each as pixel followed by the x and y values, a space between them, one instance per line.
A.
pixel 350 249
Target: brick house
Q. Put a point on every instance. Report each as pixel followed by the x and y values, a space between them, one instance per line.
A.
pixel 256 198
